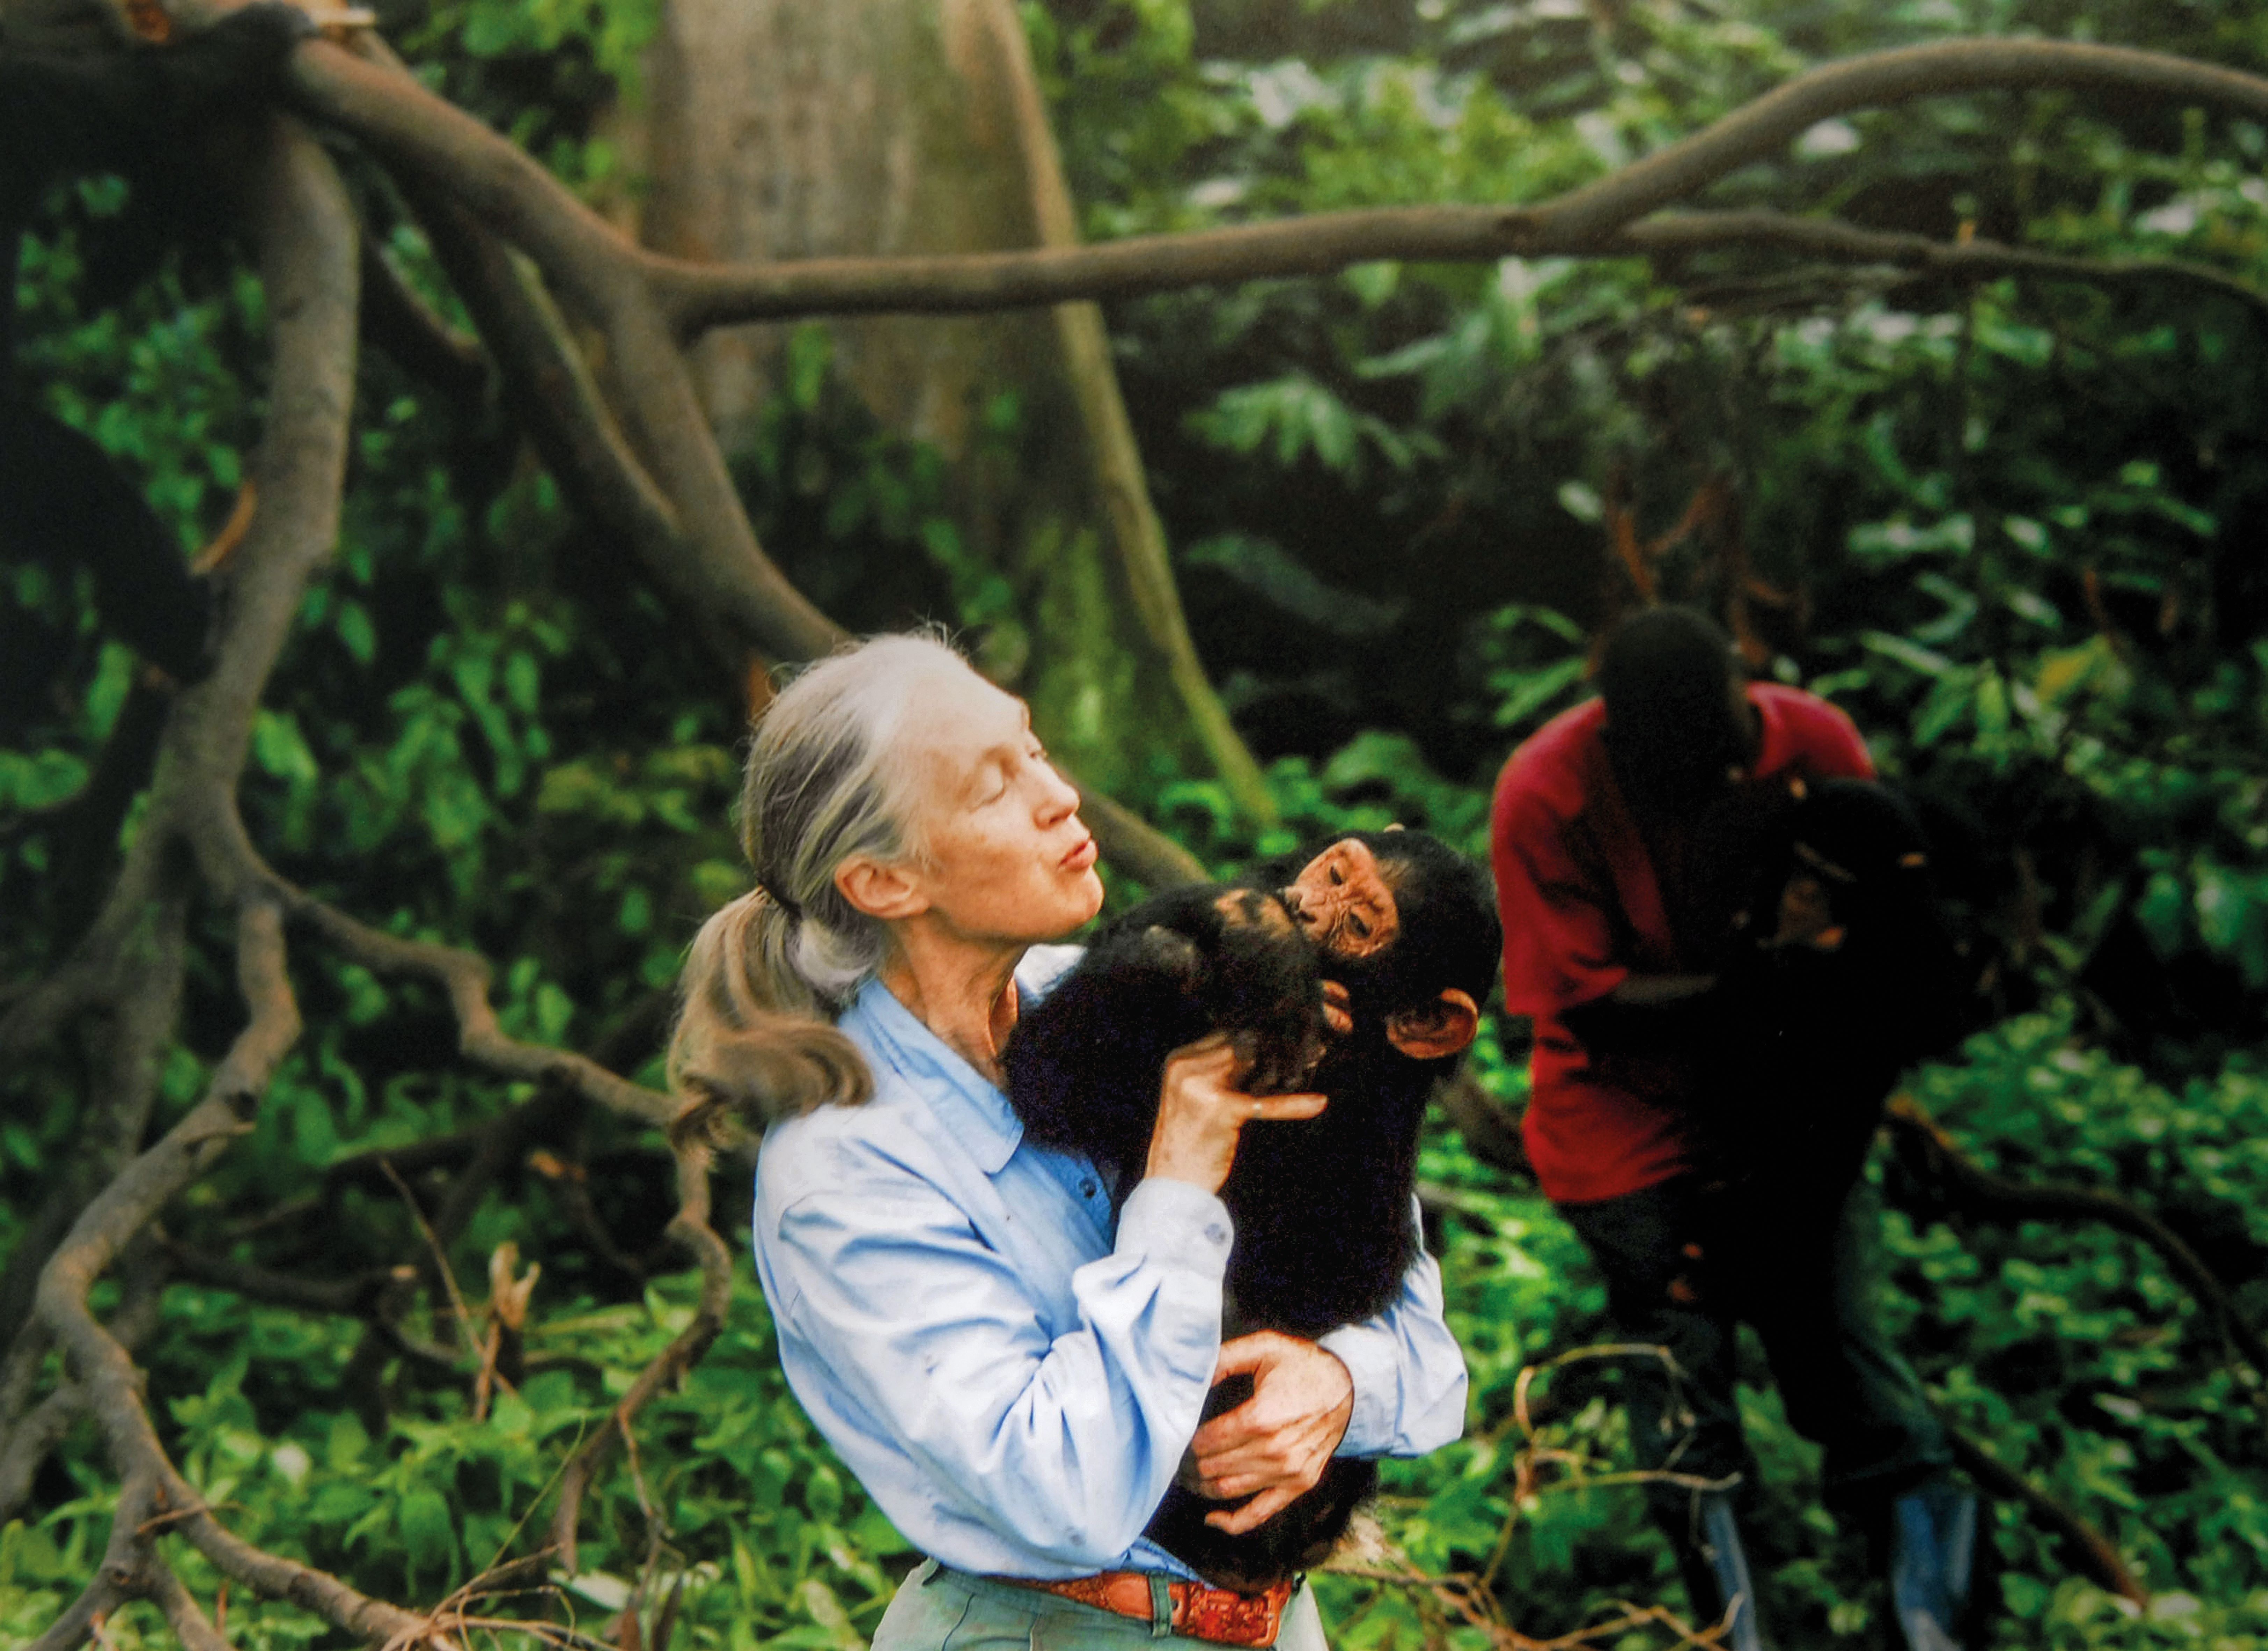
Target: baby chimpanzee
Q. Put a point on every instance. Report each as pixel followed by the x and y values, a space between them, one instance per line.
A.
pixel 1835 973
pixel 1361 976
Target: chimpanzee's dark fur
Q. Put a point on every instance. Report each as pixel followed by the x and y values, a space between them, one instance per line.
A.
pixel 1323 1206
pixel 1806 1043
pixel 1083 1065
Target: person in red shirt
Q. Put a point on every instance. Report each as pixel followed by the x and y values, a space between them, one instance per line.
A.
pixel 1593 828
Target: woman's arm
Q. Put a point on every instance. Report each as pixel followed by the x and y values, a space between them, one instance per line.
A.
pixel 923 1353
pixel 1393 1385
pixel 933 1344
pixel 1408 1372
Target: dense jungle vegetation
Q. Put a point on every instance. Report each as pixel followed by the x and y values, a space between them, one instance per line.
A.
pixel 2015 524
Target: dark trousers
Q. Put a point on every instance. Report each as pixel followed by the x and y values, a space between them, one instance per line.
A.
pixel 1684 1266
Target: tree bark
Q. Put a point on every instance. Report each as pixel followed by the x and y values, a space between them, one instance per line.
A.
pixel 776 130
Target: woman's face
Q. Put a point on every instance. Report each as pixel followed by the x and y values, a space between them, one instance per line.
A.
pixel 1007 859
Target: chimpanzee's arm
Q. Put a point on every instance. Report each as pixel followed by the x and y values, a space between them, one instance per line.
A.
pixel 1084 1064
pixel 1649 1014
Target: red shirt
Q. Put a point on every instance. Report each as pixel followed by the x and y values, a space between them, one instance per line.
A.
pixel 1582 910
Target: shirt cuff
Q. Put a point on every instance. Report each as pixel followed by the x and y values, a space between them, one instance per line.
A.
pixel 1373 1358
pixel 1176 1224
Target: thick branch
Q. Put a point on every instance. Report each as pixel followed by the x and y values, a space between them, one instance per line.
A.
pixel 308 267
pixel 602 277
pixel 549 386
pixel 1589 221
pixel 108 1590
pixel 128 1044
pixel 103 1367
pixel 1873 80
pixel 553 392
pixel 465 976
pixel 26 1440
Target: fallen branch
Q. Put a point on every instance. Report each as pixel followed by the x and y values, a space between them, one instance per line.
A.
pixel 2098 1561
pixel 354 1296
pixel 1967 1186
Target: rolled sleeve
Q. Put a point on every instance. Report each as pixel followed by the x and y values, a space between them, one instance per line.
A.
pixel 1409 1372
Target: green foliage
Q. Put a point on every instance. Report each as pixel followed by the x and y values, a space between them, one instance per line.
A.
pixel 2012 525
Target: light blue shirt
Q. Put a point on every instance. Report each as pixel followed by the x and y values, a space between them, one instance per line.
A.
pixel 1014 1385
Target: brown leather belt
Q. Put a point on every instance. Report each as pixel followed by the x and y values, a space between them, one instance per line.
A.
pixel 1218 1616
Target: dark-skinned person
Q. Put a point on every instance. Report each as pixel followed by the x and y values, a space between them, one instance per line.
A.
pixel 1596 835
pixel 1014 1375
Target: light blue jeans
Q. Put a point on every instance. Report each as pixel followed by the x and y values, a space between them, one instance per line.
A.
pixel 940 1610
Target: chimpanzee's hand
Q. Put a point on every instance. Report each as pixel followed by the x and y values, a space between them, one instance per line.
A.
pixel 1201 1112
pixel 1279 1442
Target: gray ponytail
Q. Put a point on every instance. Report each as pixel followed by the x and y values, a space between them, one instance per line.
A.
pixel 755 1039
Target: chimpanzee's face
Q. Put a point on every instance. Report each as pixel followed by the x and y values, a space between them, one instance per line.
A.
pixel 1342 901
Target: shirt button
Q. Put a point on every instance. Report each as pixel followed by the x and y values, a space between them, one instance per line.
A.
pixel 1088 1188
pixel 1216 1233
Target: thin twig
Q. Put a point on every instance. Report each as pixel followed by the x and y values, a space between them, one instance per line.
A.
pixel 440 1263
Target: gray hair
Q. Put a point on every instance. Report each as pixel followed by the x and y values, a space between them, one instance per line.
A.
pixel 826 780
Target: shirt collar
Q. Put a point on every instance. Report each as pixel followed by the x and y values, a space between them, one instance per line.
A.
pixel 964 1103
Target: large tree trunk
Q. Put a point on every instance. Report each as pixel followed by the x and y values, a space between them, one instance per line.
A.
pixel 780 129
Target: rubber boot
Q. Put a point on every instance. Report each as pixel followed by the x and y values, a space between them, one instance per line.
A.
pixel 1716 1571
pixel 1933 1550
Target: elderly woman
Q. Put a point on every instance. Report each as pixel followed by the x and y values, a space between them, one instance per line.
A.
pixel 1014 1377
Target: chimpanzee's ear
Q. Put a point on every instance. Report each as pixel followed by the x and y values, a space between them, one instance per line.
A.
pixel 1434 1030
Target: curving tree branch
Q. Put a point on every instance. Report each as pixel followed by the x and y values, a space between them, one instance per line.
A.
pixel 1669 235
pixel 1601 218
pixel 1973 1189
pixel 465 976
pixel 2096 1557
pixel 637 456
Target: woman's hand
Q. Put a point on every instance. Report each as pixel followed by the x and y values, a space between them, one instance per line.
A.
pixel 1201 1112
pixel 1275 1446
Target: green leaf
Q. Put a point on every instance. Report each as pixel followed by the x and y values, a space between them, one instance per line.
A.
pixel 280 748
pixel 1535 691
pixel 356 635
pixel 1911 655
pixel 427 1530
